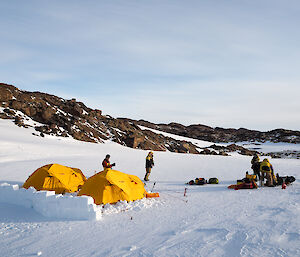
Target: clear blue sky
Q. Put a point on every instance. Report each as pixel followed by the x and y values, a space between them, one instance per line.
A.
pixel 220 63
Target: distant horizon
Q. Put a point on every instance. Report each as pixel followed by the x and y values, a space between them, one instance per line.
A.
pixel 225 63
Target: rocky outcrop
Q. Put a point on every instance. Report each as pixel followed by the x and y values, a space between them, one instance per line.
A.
pixel 53 115
pixel 60 117
pixel 221 135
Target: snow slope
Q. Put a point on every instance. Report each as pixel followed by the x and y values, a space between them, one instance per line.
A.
pixel 210 221
pixel 197 142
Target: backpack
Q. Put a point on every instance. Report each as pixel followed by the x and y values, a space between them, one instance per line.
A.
pixel 200 181
pixel 213 181
pixel 287 179
pixel 191 182
pixel 251 177
pixel 290 179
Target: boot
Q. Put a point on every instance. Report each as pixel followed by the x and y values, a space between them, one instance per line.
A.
pixel 146 178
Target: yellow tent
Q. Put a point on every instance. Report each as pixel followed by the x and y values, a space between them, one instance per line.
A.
pixel 56 177
pixel 111 186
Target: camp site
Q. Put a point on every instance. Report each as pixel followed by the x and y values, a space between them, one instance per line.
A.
pixel 210 219
pixel 155 128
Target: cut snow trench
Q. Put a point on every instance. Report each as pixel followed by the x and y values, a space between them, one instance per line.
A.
pixel 67 207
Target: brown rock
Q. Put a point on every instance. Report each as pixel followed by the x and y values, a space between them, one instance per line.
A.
pixel 47 114
pixel 5 94
pixel 17 105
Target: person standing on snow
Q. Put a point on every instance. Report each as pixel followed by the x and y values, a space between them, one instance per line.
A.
pixel 267 172
pixel 106 163
pixel 256 165
pixel 149 165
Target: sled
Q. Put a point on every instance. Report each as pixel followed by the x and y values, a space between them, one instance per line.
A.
pixel 152 195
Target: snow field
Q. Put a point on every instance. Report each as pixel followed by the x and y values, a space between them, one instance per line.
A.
pixel 210 221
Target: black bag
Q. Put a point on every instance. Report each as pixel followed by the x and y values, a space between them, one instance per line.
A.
pixel 287 180
pixel 213 181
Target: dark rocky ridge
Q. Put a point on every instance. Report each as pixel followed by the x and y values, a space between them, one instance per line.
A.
pixel 221 135
pixel 61 117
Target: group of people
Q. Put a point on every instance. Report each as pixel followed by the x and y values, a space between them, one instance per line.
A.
pixel 263 170
pixel 149 164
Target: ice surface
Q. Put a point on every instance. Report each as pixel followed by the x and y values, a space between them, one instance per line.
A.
pixel 210 221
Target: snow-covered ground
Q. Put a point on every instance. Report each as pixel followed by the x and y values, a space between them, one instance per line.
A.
pixel 210 221
pixel 197 142
pixel 269 147
pixel 266 147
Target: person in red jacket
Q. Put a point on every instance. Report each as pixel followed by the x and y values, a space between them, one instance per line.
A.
pixel 106 163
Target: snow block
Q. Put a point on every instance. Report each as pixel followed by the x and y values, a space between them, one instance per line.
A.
pixel 51 205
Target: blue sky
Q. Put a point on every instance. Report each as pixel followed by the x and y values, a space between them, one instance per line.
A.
pixel 219 63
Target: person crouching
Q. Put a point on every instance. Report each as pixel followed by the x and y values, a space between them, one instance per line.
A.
pixel 266 169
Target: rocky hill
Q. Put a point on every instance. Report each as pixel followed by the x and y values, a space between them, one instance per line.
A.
pixel 52 115
pixel 221 135
pixel 61 117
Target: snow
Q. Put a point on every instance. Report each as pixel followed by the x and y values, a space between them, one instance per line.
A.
pixel 197 142
pixel 66 207
pixel 269 147
pixel 26 119
pixel 50 205
pixel 266 147
pixel 210 221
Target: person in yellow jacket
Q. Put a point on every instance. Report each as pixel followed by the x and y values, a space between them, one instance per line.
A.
pixel 267 172
pixel 149 165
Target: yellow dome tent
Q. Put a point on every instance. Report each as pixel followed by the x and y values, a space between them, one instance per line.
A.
pixel 111 186
pixel 56 177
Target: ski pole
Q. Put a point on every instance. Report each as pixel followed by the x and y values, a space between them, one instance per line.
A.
pixel 153 186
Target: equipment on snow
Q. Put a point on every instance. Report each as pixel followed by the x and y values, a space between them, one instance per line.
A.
pixel 246 183
pixel 200 181
pixel 153 186
pixel 213 181
pixel 287 179
pixel 254 177
pixel 283 184
pixel 239 181
pixel 151 195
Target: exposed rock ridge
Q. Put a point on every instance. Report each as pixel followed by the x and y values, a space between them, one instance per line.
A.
pixel 221 135
pixel 57 116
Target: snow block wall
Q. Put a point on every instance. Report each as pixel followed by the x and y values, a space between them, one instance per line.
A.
pixel 51 205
